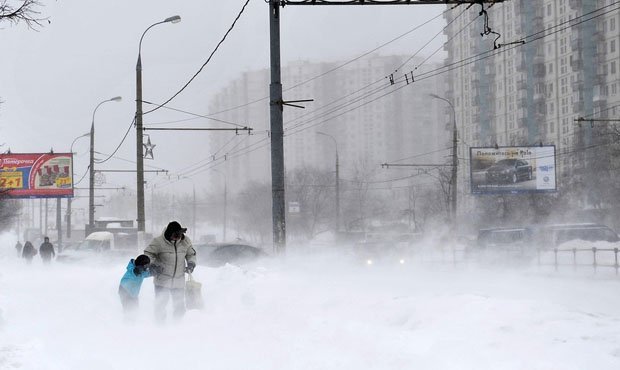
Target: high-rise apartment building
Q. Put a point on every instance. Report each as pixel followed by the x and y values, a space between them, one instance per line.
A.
pixel 371 120
pixel 531 93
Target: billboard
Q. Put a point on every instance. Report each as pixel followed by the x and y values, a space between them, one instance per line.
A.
pixel 37 175
pixel 513 169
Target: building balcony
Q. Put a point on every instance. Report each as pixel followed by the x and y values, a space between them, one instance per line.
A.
pixel 575 43
pixel 539 96
pixel 600 103
pixel 578 107
pixel 574 3
pixel 539 70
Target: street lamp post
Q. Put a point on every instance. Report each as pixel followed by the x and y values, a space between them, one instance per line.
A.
pixel 91 167
pixel 69 200
pixel 337 180
pixel 225 203
pixel 139 128
pixel 454 159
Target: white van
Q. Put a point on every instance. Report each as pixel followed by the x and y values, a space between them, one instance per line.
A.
pixel 98 241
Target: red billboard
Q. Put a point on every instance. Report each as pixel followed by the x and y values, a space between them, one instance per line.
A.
pixel 36 175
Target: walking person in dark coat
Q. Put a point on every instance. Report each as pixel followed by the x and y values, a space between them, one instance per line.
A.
pixel 29 252
pixel 47 251
pixel 18 248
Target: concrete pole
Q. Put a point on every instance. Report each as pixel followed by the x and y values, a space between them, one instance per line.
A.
pixel 193 211
pixel 337 193
pixel 41 216
pixel 139 145
pixel 277 134
pixel 59 224
pixel 91 177
pixel 225 206
pixel 46 211
pixel 69 218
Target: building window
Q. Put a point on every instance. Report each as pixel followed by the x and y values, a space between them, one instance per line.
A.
pixel 613 68
pixel 612 46
pixel 612 24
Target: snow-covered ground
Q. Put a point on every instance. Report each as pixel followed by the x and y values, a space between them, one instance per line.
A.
pixel 313 311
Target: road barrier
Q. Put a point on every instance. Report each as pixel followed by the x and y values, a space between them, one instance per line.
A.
pixel 597 261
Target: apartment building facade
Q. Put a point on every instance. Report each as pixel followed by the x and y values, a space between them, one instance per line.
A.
pixel 369 120
pixel 511 93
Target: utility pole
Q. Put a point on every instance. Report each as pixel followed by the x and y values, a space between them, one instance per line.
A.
pixel 69 218
pixel 59 224
pixel 455 162
pixel 276 103
pixel 41 216
pixel 225 206
pixel 46 211
pixel 277 132
pixel 194 212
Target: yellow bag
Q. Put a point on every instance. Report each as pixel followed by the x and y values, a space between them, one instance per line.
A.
pixel 193 294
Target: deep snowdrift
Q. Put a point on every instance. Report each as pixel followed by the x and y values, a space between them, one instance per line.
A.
pixel 319 312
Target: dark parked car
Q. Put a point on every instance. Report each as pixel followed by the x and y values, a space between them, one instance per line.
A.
pixel 504 237
pixel 219 254
pixel 509 170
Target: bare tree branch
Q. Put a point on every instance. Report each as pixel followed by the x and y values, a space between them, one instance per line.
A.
pixel 23 11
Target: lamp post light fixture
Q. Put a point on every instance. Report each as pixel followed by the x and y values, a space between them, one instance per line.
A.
pixel 139 127
pixel 91 167
pixel 337 180
pixel 76 139
pixel 454 160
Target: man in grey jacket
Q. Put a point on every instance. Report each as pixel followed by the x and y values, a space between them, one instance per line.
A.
pixel 169 253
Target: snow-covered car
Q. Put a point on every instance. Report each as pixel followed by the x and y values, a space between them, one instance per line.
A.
pixel 550 236
pixel 95 244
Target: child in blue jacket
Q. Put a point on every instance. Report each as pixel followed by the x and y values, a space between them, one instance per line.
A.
pixel 129 288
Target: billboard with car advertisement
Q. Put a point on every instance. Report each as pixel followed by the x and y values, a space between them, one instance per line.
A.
pixel 36 175
pixel 513 169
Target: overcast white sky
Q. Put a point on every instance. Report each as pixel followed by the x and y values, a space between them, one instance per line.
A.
pixel 51 80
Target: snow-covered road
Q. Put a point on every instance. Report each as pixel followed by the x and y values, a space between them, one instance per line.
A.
pixel 320 312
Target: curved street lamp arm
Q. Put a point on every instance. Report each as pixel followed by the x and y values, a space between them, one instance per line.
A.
pixel 76 139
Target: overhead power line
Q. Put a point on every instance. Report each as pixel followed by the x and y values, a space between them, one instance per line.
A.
pixel 404 82
pixel 335 68
pixel 205 63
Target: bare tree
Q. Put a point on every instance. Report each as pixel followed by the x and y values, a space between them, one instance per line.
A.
pixel 22 11
pixel 252 212
pixel 314 190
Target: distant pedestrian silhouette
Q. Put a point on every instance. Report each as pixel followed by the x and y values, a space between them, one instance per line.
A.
pixel 18 248
pixel 47 251
pixel 29 252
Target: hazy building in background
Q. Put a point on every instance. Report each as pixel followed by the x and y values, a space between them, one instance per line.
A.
pixel 369 128
pixel 532 93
